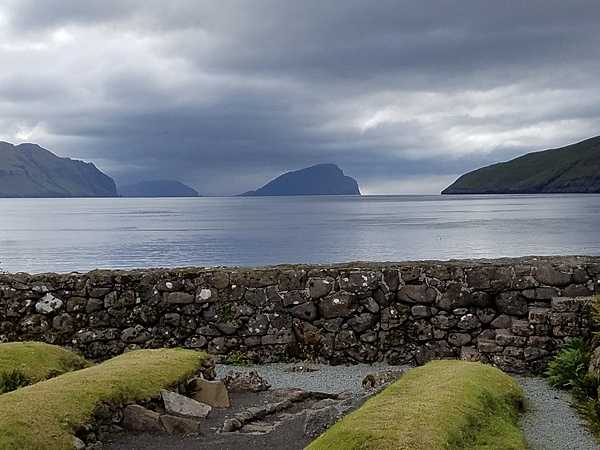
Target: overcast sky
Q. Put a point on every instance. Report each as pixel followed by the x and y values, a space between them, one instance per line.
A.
pixel 223 95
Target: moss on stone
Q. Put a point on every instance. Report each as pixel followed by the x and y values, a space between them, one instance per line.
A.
pixel 44 416
pixel 442 405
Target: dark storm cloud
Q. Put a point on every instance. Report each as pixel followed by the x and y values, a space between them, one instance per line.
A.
pixel 402 95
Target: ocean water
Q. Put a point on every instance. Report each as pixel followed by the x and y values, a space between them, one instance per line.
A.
pixel 62 235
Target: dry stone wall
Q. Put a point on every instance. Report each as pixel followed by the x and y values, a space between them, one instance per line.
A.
pixel 513 313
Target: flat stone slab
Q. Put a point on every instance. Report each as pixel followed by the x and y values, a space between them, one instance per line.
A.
pixel 183 406
pixel 212 393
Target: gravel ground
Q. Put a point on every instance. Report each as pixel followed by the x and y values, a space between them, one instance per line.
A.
pixel 329 379
pixel 549 422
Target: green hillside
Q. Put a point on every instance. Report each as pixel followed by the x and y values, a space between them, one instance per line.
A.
pixel 28 170
pixel 571 169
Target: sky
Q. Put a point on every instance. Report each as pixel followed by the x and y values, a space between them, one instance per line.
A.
pixel 224 95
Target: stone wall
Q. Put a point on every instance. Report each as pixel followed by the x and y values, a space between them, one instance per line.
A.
pixel 510 312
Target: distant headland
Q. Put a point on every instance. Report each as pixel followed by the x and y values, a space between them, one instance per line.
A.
pixel 28 170
pixel 571 169
pixel 158 188
pixel 321 179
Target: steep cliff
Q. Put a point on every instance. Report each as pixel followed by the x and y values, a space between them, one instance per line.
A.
pixel 28 170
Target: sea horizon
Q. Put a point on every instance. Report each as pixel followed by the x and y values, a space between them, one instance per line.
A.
pixel 82 234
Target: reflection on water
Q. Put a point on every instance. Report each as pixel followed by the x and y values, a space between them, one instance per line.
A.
pixel 39 235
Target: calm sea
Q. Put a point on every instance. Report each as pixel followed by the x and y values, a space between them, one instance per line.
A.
pixel 82 234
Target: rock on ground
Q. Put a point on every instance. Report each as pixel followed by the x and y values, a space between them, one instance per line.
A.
pixel 138 418
pixel 212 393
pixel 245 381
pixel 184 406
pixel 318 420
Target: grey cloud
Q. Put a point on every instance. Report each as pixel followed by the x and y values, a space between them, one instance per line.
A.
pixel 225 95
pixel 31 16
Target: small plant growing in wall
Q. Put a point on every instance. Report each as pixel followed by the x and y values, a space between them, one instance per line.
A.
pixel 238 358
pixel 226 312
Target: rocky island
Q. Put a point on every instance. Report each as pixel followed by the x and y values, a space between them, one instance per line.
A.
pixel 321 179
pixel 28 170
pixel 158 188
pixel 571 169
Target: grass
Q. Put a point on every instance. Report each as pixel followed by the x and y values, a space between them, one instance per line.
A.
pixel 45 415
pixel 23 363
pixel 442 405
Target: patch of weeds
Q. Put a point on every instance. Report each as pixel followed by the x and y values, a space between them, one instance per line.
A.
pixel 595 314
pixel 590 410
pixel 12 380
pixel 238 358
pixel 226 312
pixel 570 369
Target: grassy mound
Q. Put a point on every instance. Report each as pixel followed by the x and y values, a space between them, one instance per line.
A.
pixel 442 405
pixel 43 416
pixel 23 363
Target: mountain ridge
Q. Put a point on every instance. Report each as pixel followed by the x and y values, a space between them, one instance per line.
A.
pixel 29 170
pixel 574 168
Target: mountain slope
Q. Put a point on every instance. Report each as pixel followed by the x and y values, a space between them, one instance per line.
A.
pixel 28 170
pixel 322 179
pixel 571 169
pixel 157 188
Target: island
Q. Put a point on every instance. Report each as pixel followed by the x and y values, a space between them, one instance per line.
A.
pixel 158 188
pixel 321 179
pixel 28 170
pixel 571 169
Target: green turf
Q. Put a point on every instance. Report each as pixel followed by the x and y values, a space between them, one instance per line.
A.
pixel 442 405
pixel 29 362
pixel 44 416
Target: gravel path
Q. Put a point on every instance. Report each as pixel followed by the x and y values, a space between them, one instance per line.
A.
pixel 330 379
pixel 549 422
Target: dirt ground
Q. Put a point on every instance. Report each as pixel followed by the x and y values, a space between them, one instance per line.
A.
pixel 288 434
pixel 284 429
